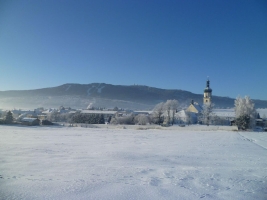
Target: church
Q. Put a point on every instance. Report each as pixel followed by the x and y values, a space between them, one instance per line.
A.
pixel 190 115
pixel 207 99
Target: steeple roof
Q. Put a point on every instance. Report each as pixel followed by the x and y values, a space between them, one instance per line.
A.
pixel 208 89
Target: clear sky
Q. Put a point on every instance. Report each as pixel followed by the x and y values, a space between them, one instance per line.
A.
pixel 165 44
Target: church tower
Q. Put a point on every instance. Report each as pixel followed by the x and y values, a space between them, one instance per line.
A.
pixel 207 93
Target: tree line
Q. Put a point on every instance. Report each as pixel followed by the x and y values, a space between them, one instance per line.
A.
pixel 88 118
pixel 163 113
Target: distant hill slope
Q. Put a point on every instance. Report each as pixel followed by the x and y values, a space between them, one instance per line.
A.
pixel 105 95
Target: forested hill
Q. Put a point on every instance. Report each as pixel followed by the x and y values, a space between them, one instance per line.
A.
pixel 105 95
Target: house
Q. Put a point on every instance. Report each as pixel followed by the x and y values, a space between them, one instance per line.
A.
pixel 49 111
pixel 185 117
pixel 193 110
pixel 194 107
pixel 223 116
pixel 181 117
pixel 260 122
pixel 30 121
pixel 46 122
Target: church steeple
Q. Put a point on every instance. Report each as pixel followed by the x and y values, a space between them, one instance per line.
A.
pixel 207 93
pixel 208 83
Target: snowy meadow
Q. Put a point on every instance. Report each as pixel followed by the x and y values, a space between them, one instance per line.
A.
pixel 99 163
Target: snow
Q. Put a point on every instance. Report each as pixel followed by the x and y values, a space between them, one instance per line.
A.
pixel 99 90
pixel 102 163
pixel 68 88
pixel 259 138
pixel 88 91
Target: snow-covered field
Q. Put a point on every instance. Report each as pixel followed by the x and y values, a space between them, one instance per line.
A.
pixel 98 163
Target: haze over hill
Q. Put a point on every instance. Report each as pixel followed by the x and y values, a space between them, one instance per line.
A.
pixel 106 95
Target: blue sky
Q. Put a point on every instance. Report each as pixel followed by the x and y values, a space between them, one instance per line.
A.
pixel 165 44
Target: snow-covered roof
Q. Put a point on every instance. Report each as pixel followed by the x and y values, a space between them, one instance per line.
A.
pixel 198 107
pixel 181 113
pixel 48 111
pixel 143 112
pixel 194 107
pixel 14 111
pixel 262 112
pixel 224 112
pixel 26 119
pixel 98 112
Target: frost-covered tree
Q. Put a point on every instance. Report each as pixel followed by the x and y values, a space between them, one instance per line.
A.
pixel 141 119
pixel 158 113
pixel 129 119
pixel 206 113
pixel 171 108
pixel 167 108
pixel 187 118
pixel 54 116
pixel 243 122
pixel 245 112
pixel 174 108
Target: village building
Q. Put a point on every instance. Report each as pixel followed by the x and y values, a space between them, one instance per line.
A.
pixel 192 112
pixel 223 116
pixel 30 121
pixel 181 117
pixel 46 122
pixel 194 107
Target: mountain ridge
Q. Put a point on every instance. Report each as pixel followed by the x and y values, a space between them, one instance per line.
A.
pixel 107 95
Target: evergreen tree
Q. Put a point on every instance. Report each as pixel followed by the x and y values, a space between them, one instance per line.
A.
pixel 109 119
pixel 102 119
pixel 9 117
